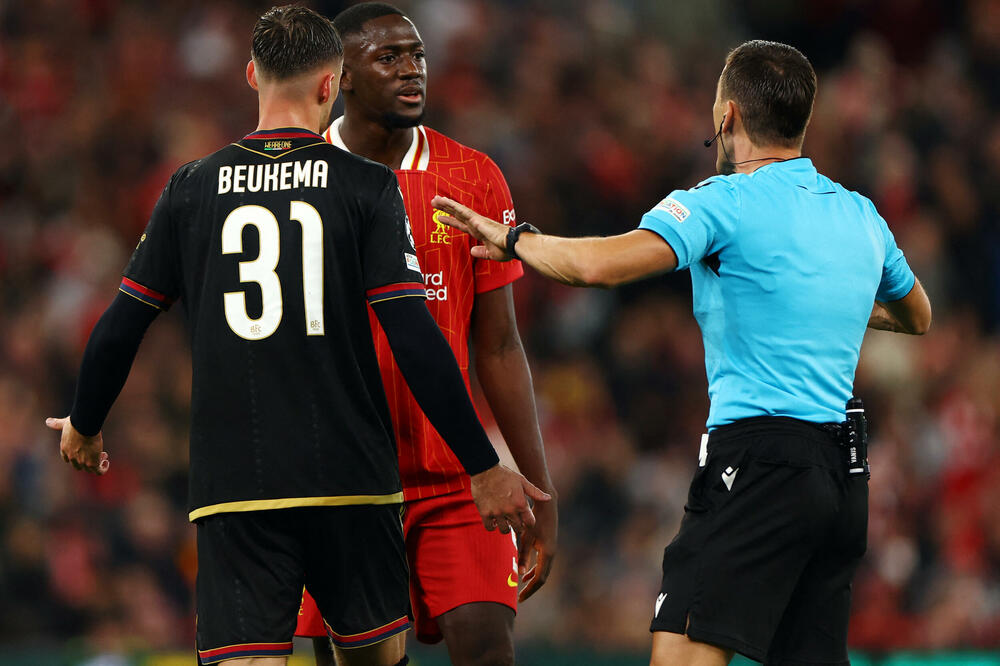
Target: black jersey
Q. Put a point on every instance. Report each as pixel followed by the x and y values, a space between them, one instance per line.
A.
pixel 272 245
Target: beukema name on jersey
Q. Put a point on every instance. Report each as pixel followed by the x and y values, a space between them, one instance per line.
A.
pixel 273 177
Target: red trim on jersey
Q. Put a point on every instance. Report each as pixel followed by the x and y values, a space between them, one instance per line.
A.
pixel 145 294
pixel 265 134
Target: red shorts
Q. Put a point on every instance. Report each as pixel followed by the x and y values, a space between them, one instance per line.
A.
pixel 453 561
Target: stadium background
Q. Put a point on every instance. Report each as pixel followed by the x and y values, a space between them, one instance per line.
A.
pixel 594 109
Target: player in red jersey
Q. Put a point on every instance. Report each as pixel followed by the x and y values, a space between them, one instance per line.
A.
pixel 463 579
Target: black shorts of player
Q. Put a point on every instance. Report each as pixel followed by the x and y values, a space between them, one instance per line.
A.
pixel 252 567
pixel 773 531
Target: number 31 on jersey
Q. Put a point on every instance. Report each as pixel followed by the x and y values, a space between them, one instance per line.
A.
pixel 262 269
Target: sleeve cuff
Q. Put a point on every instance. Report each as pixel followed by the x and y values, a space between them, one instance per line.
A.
pixel 511 272
pixel 669 235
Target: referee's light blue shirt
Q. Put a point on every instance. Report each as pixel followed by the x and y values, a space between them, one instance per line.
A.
pixel 786 265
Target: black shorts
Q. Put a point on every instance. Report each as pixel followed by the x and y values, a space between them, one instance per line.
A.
pixel 773 531
pixel 252 567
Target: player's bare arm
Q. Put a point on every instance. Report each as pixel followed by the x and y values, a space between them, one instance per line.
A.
pixel 579 262
pixel 503 373
pixel 910 314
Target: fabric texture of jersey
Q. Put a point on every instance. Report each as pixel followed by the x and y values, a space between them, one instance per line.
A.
pixel 785 265
pixel 271 245
pixel 453 561
pixel 436 164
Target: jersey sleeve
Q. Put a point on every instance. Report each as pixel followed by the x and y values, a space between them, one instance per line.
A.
pixel 897 277
pixel 499 206
pixel 153 273
pixel 389 262
pixel 696 222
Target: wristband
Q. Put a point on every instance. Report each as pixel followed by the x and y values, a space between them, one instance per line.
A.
pixel 515 233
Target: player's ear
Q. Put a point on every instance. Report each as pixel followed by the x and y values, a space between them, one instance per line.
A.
pixel 729 120
pixel 345 79
pixel 252 75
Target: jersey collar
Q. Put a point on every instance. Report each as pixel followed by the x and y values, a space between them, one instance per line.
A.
pixel 283 133
pixel 417 157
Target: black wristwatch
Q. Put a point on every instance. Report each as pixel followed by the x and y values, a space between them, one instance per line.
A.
pixel 515 233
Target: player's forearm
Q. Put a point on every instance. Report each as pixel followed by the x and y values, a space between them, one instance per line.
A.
pixel 107 361
pixel 882 320
pixel 572 261
pixel 432 373
pixel 505 378
pixel 597 262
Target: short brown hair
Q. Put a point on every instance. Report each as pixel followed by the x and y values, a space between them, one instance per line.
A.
pixel 774 85
pixel 290 40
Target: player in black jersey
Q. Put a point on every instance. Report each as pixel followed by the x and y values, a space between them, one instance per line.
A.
pixel 275 245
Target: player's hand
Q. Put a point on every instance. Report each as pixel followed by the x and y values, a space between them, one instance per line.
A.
pixel 80 451
pixel 542 539
pixel 501 495
pixel 492 234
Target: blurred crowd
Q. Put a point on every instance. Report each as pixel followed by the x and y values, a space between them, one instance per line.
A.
pixel 594 109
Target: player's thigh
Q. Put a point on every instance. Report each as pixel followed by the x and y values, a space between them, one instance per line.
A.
pixel 249 583
pixel 479 634
pixel 356 571
pixel 455 562
pixel 385 653
pixel 671 649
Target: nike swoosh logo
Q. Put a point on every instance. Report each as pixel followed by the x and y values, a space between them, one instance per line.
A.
pixel 510 580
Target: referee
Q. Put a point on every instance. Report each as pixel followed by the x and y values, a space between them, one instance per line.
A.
pixel 788 269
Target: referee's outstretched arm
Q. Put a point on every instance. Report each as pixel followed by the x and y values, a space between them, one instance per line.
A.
pixel 606 261
pixel 910 314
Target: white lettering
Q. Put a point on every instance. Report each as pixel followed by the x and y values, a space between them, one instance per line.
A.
pixel 319 173
pixel 225 179
pixel 254 177
pixel 436 289
pixel 303 171
pixel 509 217
pixel 239 177
pixel 286 176
pixel 270 177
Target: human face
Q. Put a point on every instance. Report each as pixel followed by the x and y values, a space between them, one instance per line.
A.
pixel 385 74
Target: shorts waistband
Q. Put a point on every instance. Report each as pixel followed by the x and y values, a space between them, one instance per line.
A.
pixel 821 433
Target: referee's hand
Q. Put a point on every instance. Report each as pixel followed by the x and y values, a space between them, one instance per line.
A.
pixel 501 495
pixel 80 451
pixel 492 234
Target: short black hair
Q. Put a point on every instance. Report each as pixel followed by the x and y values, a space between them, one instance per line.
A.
pixel 291 40
pixel 775 86
pixel 352 20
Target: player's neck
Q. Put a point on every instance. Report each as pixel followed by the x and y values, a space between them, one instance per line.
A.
pixel 373 140
pixel 276 112
pixel 748 157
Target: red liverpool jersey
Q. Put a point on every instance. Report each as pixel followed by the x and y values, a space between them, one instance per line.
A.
pixel 434 165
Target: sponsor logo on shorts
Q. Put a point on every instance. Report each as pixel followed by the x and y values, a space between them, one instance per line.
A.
pixel 675 208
